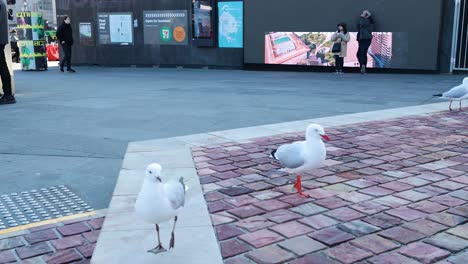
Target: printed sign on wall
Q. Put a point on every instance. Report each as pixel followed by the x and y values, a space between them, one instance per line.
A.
pixel 86 34
pixel 165 27
pixel 115 28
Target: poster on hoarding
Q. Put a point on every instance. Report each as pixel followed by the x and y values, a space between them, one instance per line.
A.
pixel 31 41
pixel 115 28
pixel 86 34
pixel 165 27
pixel 230 28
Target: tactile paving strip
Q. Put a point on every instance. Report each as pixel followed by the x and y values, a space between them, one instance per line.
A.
pixel 38 205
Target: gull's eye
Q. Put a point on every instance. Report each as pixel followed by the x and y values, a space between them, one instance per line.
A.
pixel 150 172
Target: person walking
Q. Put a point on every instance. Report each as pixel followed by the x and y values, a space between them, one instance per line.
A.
pixel 14 45
pixel 340 46
pixel 364 37
pixel 7 97
pixel 65 39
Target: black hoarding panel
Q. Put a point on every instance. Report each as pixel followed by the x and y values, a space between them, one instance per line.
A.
pixel 116 47
pixel 406 32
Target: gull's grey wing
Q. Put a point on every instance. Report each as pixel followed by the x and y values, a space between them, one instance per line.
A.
pixel 456 92
pixel 290 155
pixel 175 193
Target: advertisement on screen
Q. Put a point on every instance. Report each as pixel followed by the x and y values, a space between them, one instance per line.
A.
pixel 202 24
pixel 115 28
pixel 230 26
pixel 387 50
pixel 165 27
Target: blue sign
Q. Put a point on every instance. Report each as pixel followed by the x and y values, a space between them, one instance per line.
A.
pixel 230 26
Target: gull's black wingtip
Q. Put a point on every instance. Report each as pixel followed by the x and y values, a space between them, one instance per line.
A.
pixel 273 152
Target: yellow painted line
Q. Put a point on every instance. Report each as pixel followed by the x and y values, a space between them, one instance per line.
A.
pixel 46 222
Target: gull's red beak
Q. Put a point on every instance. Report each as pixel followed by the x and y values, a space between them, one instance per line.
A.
pixel 325 137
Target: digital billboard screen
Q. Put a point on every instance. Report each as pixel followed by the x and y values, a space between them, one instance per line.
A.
pixel 202 14
pixel 203 22
pixel 230 24
pixel 387 50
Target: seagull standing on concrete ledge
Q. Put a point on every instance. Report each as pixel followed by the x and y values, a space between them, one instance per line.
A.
pixel 457 93
pixel 302 156
pixel 159 202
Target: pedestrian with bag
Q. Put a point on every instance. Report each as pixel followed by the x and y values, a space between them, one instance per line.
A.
pixel 340 46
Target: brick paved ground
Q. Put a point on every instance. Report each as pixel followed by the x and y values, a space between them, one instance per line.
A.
pixel 396 191
pixel 72 241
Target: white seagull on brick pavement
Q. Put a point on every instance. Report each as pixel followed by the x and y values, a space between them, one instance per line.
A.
pixel 159 202
pixel 302 156
pixel 457 93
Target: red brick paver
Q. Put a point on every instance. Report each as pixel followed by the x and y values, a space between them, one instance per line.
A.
pixel 424 252
pixel 66 242
pixel 396 191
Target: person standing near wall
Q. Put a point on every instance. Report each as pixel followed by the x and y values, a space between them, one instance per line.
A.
pixel 65 38
pixel 340 46
pixel 7 97
pixel 14 45
pixel 364 36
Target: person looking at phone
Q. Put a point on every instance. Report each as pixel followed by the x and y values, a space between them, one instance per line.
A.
pixel 364 37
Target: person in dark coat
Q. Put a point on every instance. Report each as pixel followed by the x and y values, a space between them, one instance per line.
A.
pixel 7 97
pixel 65 39
pixel 14 46
pixel 364 36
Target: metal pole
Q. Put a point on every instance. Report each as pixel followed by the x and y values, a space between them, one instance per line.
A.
pixel 54 12
pixel 456 20
pixel 461 33
pixel 465 39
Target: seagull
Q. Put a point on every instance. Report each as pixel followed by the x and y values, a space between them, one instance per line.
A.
pixel 159 202
pixel 457 93
pixel 301 156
